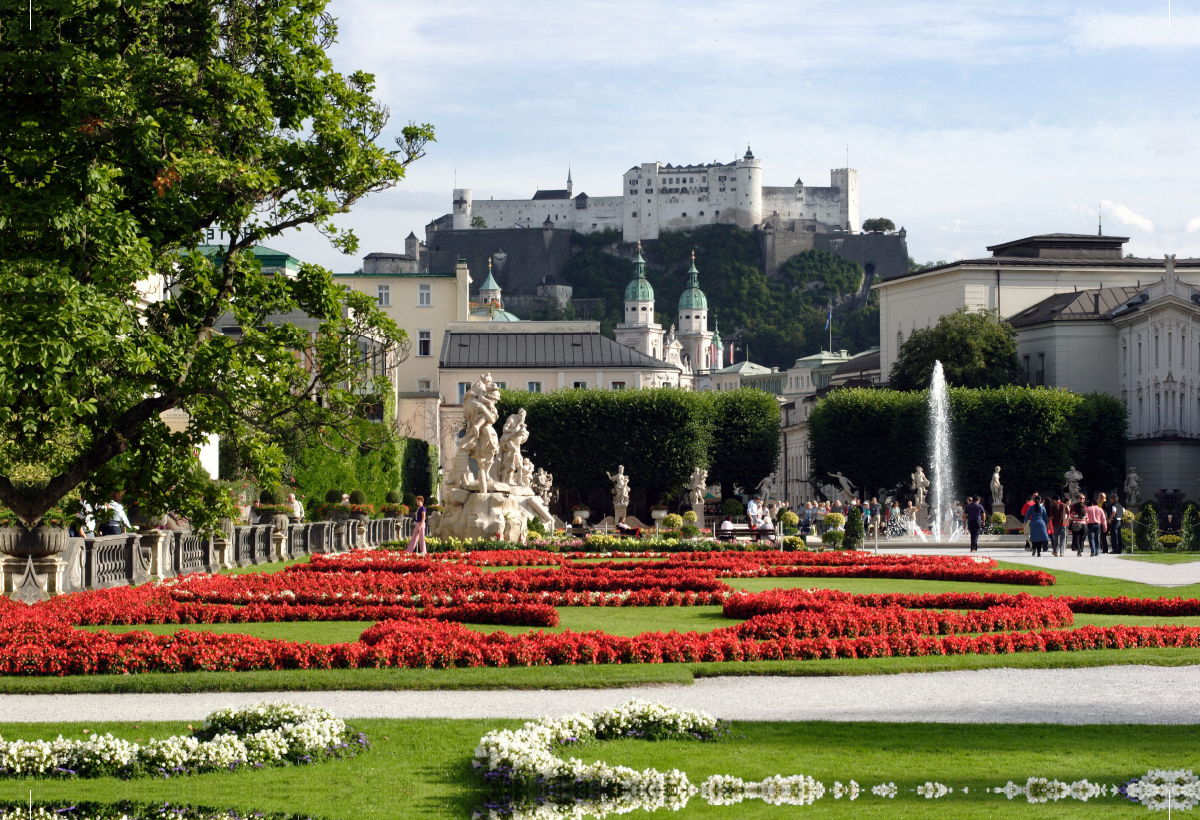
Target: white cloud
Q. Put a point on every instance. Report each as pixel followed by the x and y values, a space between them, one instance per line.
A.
pixel 1193 225
pixel 1107 30
pixel 1127 217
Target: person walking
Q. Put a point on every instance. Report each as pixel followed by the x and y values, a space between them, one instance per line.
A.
pixel 1102 503
pixel 1037 518
pixel 1096 524
pixel 1058 511
pixel 1078 519
pixel 973 514
pixel 417 542
pixel 1116 516
pixel 1025 509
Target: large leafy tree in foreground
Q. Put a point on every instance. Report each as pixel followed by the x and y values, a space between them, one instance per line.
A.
pixel 976 348
pixel 129 128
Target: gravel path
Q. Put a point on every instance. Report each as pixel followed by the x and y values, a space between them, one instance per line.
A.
pixel 1112 694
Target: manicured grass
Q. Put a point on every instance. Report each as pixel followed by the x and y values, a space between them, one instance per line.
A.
pixel 420 768
pixel 278 566
pixel 323 632
pixel 1163 558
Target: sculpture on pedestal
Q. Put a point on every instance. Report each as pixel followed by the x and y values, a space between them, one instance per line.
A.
pixel 846 493
pixel 499 500
pixel 1073 478
pixel 920 486
pixel 697 486
pixel 620 487
pixel 543 485
pixel 766 487
pixel 997 489
pixel 1133 487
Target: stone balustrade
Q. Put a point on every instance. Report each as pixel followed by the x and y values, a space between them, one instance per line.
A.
pixel 135 558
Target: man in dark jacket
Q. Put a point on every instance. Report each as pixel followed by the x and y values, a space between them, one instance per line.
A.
pixel 974 514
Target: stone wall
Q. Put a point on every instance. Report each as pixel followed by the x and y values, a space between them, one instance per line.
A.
pixel 521 256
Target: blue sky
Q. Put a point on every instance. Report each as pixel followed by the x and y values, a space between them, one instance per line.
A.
pixel 970 123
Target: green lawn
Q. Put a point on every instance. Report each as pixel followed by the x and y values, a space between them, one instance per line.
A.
pixel 1164 558
pixel 279 566
pixel 420 768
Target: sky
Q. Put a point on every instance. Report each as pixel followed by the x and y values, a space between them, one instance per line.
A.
pixel 970 123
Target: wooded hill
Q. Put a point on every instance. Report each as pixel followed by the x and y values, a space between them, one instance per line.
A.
pixel 780 319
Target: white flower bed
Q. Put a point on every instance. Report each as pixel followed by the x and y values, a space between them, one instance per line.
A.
pixel 1166 789
pixel 266 734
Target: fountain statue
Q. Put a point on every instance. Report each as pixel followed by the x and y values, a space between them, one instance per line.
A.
pixel 499 500
pixel 997 492
pixel 1073 478
pixel 846 493
pixel 697 487
pixel 1133 488
pixel 920 485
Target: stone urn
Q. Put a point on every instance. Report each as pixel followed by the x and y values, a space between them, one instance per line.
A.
pixel 361 517
pixel 658 515
pixel 279 521
pixel 39 542
pixel 583 515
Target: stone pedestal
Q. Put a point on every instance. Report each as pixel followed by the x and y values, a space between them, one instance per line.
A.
pixel 32 579
pixel 619 511
pixel 698 509
pixel 157 541
pixel 278 544
pixel 998 508
pixel 923 516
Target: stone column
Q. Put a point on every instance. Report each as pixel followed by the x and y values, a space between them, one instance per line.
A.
pixel 160 556
pixel 698 509
pixel 619 512
pixel 278 543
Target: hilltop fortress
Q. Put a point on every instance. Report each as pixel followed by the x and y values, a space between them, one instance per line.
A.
pixel 529 240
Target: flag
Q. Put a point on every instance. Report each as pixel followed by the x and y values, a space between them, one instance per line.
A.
pixel 829 318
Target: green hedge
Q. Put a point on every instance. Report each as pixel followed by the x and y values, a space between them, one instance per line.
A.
pixel 878 437
pixel 345 464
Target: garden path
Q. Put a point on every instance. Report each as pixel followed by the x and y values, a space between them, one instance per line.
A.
pixel 1111 694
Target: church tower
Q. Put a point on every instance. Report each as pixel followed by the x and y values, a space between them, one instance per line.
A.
pixel 489 291
pixel 694 334
pixel 639 329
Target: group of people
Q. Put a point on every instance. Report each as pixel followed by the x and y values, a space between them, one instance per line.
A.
pixel 1094 524
pixel 111 518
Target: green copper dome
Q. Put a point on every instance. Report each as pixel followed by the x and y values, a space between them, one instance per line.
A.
pixel 692 297
pixel 639 289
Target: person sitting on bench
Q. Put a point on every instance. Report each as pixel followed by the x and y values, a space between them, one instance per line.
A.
pixel 725 531
pixel 625 529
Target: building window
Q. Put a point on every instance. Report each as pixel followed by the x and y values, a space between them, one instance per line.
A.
pixel 1041 371
pixel 579 385
pixel 534 387
pixel 634 214
pixel 424 295
pixel 1139 357
pixel 424 386
pixel 1156 350
pixel 502 385
pixel 463 387
pixel 685 213
pixel 1027 374
pixel 618 385
pixel 424 343
pixel 1158 411
pixel 383 293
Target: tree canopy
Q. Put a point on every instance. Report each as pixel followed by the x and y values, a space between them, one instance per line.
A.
pixel 879 224
pixel 976 348
pixel 130 129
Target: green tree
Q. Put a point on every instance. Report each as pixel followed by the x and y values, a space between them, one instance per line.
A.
pixel 879 224
pixel 745 438
pixel 478 222
pixel 130 129
pixel 976 348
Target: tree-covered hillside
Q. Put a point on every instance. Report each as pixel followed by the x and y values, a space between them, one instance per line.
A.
pixel 780 319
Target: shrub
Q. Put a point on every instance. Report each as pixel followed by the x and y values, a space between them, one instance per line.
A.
pixel 536 527
pixel 673 521
pixel 393 497
pixel 358 497
pixel 1146 529
pixel 1190 529
pixel 833 538
pixel 854 529
pixel 790 531
pixel 731 506
pixel 1169 543
pixel 366 456
pixel 690 531
pixel 834 520
pixel 409 499
pixel 789 518
pixel 690 517
pixel 333 496
pixel 795 543
pixel 273 494
pixel 998 519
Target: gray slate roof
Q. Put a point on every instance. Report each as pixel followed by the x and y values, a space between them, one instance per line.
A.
pixel 1075 306
pixel 1050 262
pixel 860 363
pixel 548 350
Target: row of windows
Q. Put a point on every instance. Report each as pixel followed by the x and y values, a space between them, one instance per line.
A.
pixel 1182 353
pixel 383 295
pixel 531 387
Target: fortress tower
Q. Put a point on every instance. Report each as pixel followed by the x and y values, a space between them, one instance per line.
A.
pixel 462 209
pixel 748 199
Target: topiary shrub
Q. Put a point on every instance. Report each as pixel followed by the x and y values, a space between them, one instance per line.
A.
pixel 1146 528
pixel 833 538
pixel 998 519
pixel 789 518
pixel 1169 543
pixel 333 497
pixel 536 527
pixel 731 506
pixel 1190 528
pixel 834 520
pixel 393 497
pixel 410 499
pixel 673 521
pixel 854 529
pixel 795 543
pixel 358 497
pixel 273 494
pixel 690 517
pixel 689 531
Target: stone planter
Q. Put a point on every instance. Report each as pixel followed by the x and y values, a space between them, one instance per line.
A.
pixel 39 542
pixel 582 515
pixel 279 522
pixel 658 515
pixel 361 518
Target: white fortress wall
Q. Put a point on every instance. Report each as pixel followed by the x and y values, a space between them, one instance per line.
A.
pixel 602 213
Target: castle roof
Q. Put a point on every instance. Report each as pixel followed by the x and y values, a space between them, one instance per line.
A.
pixel 639 290
pixel 489 283
pixel 558 193
pixel 692 297
pixel 411 235
pixel 550 350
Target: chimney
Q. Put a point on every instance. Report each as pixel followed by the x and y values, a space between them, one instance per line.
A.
pixel 1097 297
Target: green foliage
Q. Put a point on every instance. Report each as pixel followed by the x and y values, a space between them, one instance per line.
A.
pixel 368 459
pixel 536 527
pixel 854 529
pixel 673 521
pixel 780 318
pixel 1169 543
pixel 789 518
pixel 833 538
pixel 998 519
pixel 1146 528
pixel 129 130
pixel 358 497
pixel 1190 528
pixel 272 494
pixel 976 348
pixel 878 437
pixel 690 517
pixel 731 506
pixel 879 224
pixel 659 435
pixel 478 222
pixel 689 531
pixel 834 520
pixel 744 436
pixel 392 497
pixel 418 460
pixel 409 500
pixel 333 496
